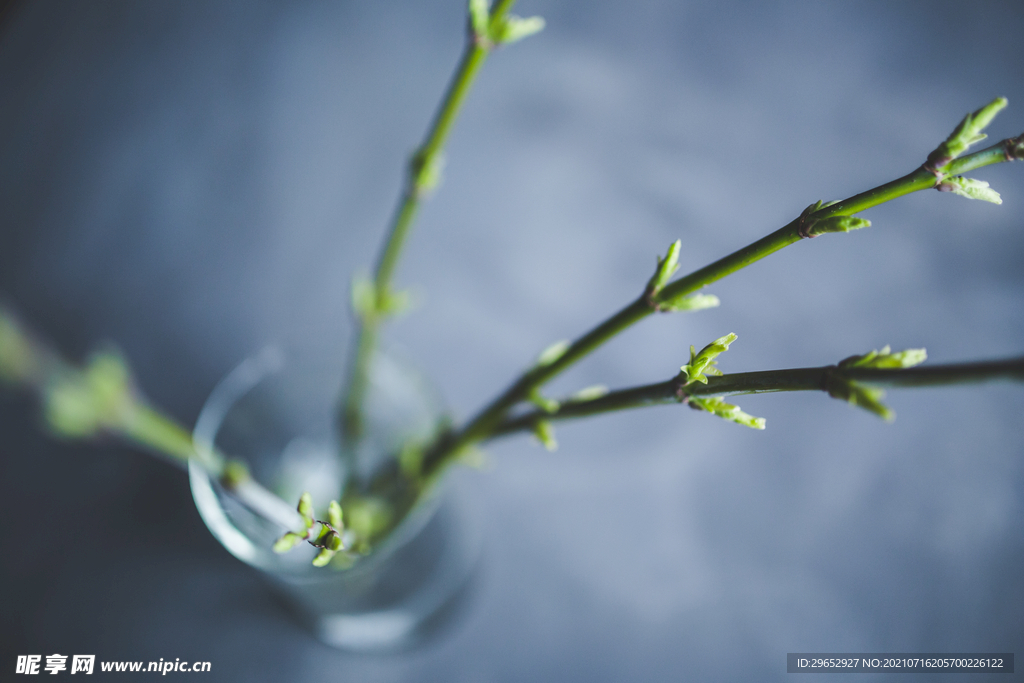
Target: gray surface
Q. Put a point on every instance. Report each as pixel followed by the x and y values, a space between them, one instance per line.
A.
pixel 193 179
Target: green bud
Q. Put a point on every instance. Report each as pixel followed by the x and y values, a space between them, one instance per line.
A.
pixel 704 362
pixel 69 407
pixel 970 188
pixel 590 393
pixel 862 361
pixel 334 516
pixel 966 134
pixel 366 517
pixel 862 396
pixel 984 116
pixel 305 508
pixel 323 557
pixel 908 358
pixel 82 404
pixel 727 411
pixel 367 302
pixel 511 29
pixel 808 226
pixel 474 457
pixel 552 353
pixel 287 542
pixel 235 472
pixel 816 206
pixel 321 536
pixel 548 405
pixel 688 302
pixel 837 224
pixel 426 173
pixel 868 398
pixel 364 296
pixel 885 359
pixel 665 269
pixel 331 541
pixel 545 433
pixel 395 302
pixel 479 17
pixel 109 378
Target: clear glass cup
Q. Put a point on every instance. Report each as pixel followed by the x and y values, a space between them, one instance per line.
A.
pixel 277 413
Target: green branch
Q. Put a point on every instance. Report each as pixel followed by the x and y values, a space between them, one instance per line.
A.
pixel 374 301
pixel 939 172
pixel 101 399
pixel 823 378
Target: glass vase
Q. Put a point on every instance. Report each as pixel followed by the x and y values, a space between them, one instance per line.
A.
pixel 276 412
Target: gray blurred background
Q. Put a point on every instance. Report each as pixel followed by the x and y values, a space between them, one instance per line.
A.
pixel 194 179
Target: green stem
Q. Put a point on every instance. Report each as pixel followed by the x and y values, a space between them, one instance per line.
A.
pixel 1005 150
pixel 145 426
pixel 115 409
pixel 795 379
pixel 150 428
pixel 421 178
pixel 484 423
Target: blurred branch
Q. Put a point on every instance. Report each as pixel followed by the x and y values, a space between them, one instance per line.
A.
pixel 101 399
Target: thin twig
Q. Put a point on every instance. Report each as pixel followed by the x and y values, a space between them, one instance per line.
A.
pixel 484 423
pixel 795 379
pixel 421 177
